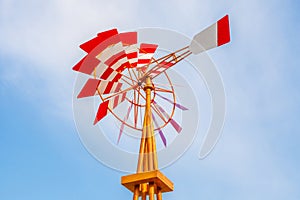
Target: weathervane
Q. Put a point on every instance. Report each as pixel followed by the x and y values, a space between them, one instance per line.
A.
pixel 124 70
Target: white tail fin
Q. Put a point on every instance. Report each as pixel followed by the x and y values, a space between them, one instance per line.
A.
pixel 211 37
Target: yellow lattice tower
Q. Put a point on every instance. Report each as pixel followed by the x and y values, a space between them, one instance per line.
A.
pixel 148 180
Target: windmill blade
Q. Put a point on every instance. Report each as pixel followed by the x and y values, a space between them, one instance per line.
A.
pixel 115 57
pixel 213 36
pixel 94 47
pixel 114 54
pixel 177 127
pixel 123 122
pixel 107 57
pixel 109 104
pixel 94 86
pixel 129 40
pixel 86 65
pixel 92 66
pixel 101 37
pixel 145 55
pixel 161 134
pixel 170 101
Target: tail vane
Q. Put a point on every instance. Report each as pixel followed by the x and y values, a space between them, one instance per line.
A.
pixel 214 36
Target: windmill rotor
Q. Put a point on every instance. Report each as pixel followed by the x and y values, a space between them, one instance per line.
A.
pixel 118 70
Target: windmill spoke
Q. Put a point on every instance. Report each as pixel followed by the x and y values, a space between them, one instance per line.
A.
pixel 175 59
pixel 136 109
pixel 118 93
pixel 124 121
pixel 135 75
pixel 166 84
pixel 163 90
pixel 169 55
pixel 130 76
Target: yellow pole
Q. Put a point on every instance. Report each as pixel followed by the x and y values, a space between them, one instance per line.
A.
pixel 159 194
pixel 150 149
pixel 147 155
pixel 136 192
pixel 144 191
pixel 155 162
pixel 147 132
pixel 151 191
pixel 142 148
pixel 146 159
pixel 148 87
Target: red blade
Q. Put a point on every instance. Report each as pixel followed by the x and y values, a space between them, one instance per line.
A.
pixel 101 37
pixel 102 111
pixel 86 65
pixel 109 104
pixel 106 56
pixel 92 66
pixel 129 40
pixel 93 86
pixel 145 55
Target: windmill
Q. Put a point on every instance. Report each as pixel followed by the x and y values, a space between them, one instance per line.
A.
pixel 124 70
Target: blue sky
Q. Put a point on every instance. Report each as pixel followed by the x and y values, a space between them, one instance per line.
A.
pixel 41 154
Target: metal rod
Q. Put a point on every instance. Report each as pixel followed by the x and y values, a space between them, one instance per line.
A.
pixel 136 192
pixel 144 191
pixel 148 87
pixel 142 149
pixel 170 55
pixel 155 162
pixel 146 158
pixel 151 191
pixel 175 59
pixel 159 194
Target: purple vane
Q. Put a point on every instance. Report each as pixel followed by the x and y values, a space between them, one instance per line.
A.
pixel 176 104
pixel 161 134
pixel 177 127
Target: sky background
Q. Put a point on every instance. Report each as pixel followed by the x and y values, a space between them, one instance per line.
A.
pixel 258 155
